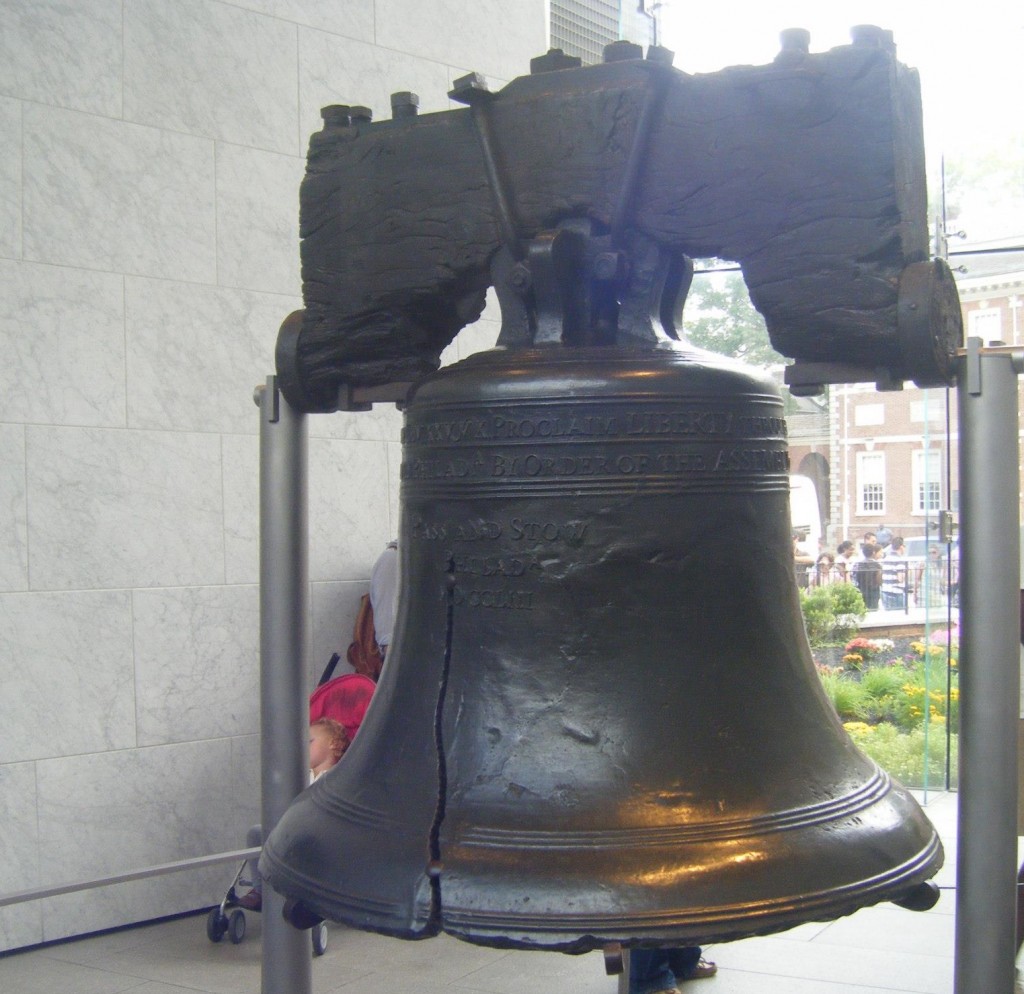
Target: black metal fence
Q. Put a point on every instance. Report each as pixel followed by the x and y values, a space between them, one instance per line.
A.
pixel 892 584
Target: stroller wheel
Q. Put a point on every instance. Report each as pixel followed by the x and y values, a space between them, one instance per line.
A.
pixel 236 926
pixel 319 939
pixel 216 925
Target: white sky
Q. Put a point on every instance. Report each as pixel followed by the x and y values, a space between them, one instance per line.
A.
pixel 970 54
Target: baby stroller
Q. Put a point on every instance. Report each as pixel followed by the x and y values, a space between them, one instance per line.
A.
pixel 345 699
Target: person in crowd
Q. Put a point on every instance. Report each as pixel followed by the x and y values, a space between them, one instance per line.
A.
pixel 824 570
pixel 869 538
pixel 894 575
pixel 328 741
pixel 867 574
pixel 384 595
pixel 930 581
pixel 844 560
pixel 802 560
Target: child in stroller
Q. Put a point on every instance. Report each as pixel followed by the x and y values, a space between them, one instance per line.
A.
pixel 336 710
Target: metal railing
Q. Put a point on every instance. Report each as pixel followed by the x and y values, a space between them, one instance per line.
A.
pixel 900 585
pixel 197 862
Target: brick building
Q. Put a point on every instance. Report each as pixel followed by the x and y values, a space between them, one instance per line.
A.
pixel 891 457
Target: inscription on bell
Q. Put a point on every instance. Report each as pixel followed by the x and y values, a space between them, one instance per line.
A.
pixel 696 422
pixel 498 599
pixel 516 529
pixel 745 460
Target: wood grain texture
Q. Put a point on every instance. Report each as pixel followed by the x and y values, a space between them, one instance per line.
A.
pixel 808 172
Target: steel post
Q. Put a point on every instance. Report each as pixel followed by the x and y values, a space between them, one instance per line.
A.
pixel 284 626
pixel 989 672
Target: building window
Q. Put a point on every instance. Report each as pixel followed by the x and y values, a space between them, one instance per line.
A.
pixel 870 482
pixel 869 414
pixel 922 410
pixel 926 480
pixel 986 324
pixel 583 28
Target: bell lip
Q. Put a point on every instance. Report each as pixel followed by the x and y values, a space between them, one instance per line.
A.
pixel 697 926
pixel 398 917
pixel 419 919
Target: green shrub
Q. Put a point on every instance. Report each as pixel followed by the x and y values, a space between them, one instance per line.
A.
pixel 902 754
pixel 883 686
pixel 832 613
pixel 846 694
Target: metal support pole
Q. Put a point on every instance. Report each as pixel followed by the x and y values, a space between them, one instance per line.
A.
pixel 989 672
pixel 284 627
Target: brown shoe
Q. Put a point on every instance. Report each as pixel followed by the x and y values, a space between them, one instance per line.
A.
pixel 703 968
pixel 253 901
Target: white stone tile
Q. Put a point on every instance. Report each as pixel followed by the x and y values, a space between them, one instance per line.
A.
pixel 62 338
pixel 63 53
pixel 349 496
pixel 103 814
pixel 123 509
pixel 10 178
pixel 481 35
pixel 196 663
pixel 450 353
pixel 196 354
pixel 927 969
pixel 189 965
pixel 336 70
pixel 13 510
pixel 245 782
pixel 66 668
pixel 394 487
pixel 98 908
pixel 121 197
pixel 36 973
pixel 241 460
pixel 382 423
pixel 348 508
pixel 212 69
pixel 20 924
pixel 445 963
pixel 258 219
pixel 477 337
pixel 353 18
pixel 888 929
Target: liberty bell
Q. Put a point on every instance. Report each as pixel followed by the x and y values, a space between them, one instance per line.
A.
pixel 599 721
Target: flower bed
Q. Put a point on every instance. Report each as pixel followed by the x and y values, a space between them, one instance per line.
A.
pixel 900 707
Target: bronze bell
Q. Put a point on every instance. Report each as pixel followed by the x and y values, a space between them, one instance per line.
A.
pixel 599 720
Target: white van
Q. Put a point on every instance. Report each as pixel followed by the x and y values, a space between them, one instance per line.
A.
pixel 805 513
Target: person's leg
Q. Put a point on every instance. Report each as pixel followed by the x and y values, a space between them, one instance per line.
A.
pixel 687 963
pixel 649 971
pixel 682 961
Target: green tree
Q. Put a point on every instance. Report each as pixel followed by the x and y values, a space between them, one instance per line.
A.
pixel 718 316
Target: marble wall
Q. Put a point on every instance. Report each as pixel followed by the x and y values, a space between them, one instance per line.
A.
pixel 150 158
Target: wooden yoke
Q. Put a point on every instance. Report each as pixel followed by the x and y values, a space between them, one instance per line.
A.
pixel 581 194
